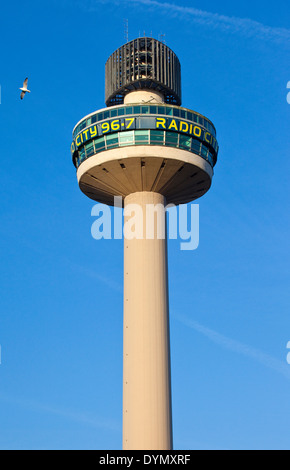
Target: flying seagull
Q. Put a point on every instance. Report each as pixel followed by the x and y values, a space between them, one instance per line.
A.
pixel 24 89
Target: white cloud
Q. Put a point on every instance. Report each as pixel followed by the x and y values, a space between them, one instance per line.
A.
pixel 238 347
pixel 75 416
pixel 243 26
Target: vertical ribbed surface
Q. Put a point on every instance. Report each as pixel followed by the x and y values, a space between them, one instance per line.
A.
pixel 146 374
pixel 143 63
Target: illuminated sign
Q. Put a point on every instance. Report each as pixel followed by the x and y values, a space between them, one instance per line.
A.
pixel 144 122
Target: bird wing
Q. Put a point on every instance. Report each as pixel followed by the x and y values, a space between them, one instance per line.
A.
pixel 22 95
pixel 25 83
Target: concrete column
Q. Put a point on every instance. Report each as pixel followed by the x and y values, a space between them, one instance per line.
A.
pixel 147 420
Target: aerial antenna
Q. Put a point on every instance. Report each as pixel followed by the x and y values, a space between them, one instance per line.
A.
pixel 162 38
pixel 126 30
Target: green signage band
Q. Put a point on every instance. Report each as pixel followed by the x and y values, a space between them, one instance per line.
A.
pixel 144 122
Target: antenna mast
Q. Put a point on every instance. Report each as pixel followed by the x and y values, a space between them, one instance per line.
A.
pixel 126 30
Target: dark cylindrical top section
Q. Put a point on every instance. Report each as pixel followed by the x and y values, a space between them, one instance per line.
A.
pixel 143 63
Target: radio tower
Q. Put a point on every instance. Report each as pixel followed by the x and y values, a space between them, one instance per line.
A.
pixel 147 149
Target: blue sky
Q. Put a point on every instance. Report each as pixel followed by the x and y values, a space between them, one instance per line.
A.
pixel 61 290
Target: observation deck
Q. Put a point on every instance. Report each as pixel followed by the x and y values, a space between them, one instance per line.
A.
pixel 144 140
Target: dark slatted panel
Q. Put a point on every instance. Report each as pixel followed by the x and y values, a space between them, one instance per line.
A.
pixel 143 63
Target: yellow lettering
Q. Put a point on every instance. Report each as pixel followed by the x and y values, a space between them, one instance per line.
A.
pixel 191 127
pixel 161 122
pixel 131 120
pixel 209 141
pixel 93 131
pixel 197 131
pixel 73 147
pixel 181 127
pixel 115 125
pixel 105 127
pixel 78 143
pixel 86 133
pixel 173 124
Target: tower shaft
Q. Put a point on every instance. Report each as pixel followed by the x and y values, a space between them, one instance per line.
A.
pixel 147 420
